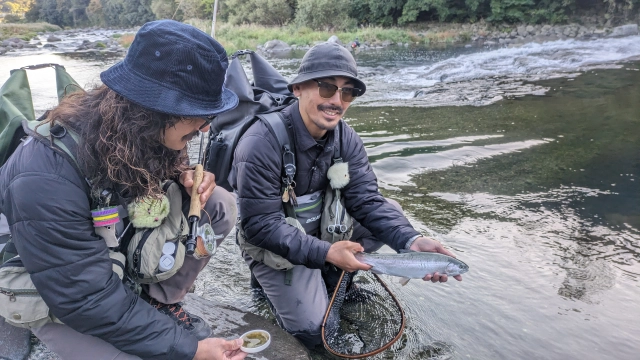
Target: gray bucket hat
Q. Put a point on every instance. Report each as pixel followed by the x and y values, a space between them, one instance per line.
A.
pixel 327 60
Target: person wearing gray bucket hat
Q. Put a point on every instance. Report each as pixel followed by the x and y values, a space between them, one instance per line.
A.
pixel 126 148
pixel 330 162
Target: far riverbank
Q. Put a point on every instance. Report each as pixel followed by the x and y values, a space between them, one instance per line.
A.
pixel 256 37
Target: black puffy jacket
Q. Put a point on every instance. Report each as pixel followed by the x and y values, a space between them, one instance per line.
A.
pixel 48 211
pixel 255 175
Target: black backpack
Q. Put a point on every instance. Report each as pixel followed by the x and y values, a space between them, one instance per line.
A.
pixel 261 99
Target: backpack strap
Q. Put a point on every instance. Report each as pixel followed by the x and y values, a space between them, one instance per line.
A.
pixel 283 131
pixel 64 142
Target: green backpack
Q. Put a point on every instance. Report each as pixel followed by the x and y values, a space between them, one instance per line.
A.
pixel 16 105
pixel 17 117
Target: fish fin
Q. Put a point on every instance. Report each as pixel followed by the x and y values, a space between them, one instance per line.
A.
pixel 375 271
pixel 404 280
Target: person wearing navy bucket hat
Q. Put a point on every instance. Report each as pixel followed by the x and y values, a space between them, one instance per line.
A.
pixel 332 171
pixel 125 139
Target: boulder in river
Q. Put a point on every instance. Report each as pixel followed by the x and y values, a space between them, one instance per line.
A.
pixel 273 46
pixel 625 30
pixel 335 39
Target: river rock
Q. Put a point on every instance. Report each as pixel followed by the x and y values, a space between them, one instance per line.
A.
pixel 228 322
pixel 276 46
pixel 335 39
pixel 53 38
pixel 522 30
pixel 625 30
pixel 15 343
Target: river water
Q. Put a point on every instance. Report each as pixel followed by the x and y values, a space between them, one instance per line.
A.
pixel 538 190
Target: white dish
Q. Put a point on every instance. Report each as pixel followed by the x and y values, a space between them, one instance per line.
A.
pixel 251 350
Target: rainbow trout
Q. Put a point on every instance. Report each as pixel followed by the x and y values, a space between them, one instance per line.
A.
pixel 413 264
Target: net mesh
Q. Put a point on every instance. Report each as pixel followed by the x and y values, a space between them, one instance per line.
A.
pixel 364 318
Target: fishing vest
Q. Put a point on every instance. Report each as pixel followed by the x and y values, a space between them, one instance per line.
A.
pixel 20 303
pixel 321 213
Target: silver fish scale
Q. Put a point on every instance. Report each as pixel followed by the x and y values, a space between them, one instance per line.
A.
pixel 413 265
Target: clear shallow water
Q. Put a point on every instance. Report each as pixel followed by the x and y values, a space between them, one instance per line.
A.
pixel 538 194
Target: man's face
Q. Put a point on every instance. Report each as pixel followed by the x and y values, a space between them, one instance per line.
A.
pixel 177 136
pixel 321 114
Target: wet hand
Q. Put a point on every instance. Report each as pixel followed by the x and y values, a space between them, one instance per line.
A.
pixel 206 187
pixel 425 244
pixel 341 255
pixel 219 349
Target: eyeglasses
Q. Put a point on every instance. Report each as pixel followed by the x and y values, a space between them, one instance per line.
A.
pixel 207 122
pixel 347 94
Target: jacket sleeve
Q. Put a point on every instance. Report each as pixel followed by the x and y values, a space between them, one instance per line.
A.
pixel 363 200
pixel 256 178
pixel 50 222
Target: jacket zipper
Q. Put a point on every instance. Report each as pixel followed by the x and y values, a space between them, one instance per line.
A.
pixel 136 254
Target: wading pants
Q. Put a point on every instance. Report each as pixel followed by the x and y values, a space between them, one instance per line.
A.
pixel 69 344
pixel 300 307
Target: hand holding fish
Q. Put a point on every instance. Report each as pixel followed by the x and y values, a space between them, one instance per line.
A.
pixel 206 187
pixel 341 254
pixel 425 244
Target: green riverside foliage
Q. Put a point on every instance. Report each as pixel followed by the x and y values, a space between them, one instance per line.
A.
pixel 234 37
pixel 25 31
pixel 321 14
pixel 324 14
pixel 261 12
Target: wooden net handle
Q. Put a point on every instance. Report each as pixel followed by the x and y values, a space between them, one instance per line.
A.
pixel 194 209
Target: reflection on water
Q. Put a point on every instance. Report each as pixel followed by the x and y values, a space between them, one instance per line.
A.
pixel 540 196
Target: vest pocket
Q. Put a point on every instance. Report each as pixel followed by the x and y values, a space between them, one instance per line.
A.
pixel 20 303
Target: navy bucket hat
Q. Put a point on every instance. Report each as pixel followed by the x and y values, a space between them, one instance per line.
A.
pixel 327 60
pixel 173 68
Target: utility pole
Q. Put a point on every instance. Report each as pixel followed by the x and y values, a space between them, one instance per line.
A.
pixel 213 21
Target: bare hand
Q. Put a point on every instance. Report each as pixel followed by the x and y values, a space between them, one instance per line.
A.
pixel 219 349
pixel 206 187
pixel 341 255
pixel 425 244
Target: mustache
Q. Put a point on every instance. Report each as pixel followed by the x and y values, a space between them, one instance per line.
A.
pixel 334 108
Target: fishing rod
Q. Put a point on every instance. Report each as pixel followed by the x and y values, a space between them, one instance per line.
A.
pixel 195 208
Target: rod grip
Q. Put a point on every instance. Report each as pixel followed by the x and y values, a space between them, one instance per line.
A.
pixel 194 209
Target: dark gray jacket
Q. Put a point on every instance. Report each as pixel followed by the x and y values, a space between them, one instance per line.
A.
pixel 256 176
pixel 48 211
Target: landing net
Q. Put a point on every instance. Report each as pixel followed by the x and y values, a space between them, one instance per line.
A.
pixel 363 319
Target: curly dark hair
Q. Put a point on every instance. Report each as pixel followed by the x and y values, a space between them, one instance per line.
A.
pixel 120 143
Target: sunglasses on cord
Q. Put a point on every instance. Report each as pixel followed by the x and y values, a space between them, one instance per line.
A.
pixel 207 122
pixel 347 94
